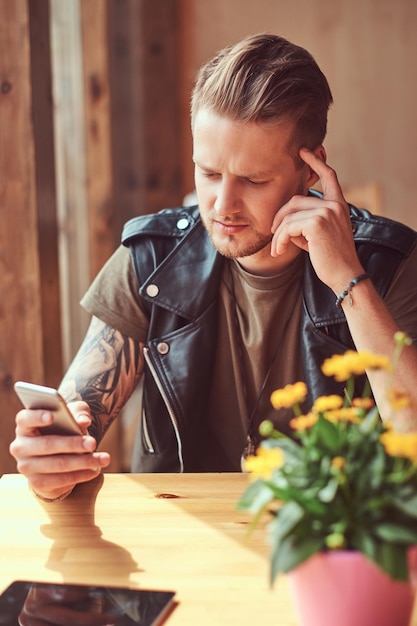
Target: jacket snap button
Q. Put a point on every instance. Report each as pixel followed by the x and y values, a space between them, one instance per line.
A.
pixel 152 290
pixel 182 223
pixel 163 348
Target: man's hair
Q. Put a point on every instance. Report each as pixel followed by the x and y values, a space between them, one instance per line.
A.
pixel 266 79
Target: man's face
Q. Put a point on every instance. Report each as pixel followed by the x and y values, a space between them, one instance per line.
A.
pixel 244 173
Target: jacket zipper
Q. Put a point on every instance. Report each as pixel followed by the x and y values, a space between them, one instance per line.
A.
pixel 146 436
pixel 168 406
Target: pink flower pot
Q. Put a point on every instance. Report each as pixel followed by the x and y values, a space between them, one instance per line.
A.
pixel 343 588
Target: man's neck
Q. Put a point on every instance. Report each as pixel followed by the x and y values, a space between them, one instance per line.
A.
pixel 263 264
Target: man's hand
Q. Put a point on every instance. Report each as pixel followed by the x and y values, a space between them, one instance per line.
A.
pixel 54 464
pixel 321 226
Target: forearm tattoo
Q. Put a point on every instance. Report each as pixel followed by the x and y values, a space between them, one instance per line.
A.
pixel 104 373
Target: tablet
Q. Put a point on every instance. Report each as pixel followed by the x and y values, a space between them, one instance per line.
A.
pixel 25 602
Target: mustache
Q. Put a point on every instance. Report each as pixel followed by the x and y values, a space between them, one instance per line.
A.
pixel 226 219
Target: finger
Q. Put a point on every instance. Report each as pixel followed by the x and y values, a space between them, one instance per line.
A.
pixel 68 464
pixel 297 206
pixel 81 413
pixel 29 423
pixel 307 221
pixel 293 230
pixel 327 175
pixel 49 445
pixel 55 484
pixel 49 474
pixel 79 407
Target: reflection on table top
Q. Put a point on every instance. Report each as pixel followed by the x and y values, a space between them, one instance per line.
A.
pixel 177 532
pixel 155 531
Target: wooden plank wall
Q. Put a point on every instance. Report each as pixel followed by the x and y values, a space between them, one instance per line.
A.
pixel 68 96
pixel 30 339
pixel 89 138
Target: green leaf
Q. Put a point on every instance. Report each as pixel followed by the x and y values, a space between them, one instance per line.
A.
pixel 256 497
pixel 328 434
pixel 375 469
pixel 294 453
pixel 376 503
pixel 371 420
pixel 392 559
pixel 328 492
pixel 395 533
pixel 289 553
pixel 407 505
pixel 313 507
pixel 287 518
pixel 365 543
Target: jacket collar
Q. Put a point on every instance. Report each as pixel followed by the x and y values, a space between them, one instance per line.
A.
pixel 200 284
pixel 192 268
pixel 381 245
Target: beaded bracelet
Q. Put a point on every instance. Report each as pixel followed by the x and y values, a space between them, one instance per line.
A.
pixel 349 288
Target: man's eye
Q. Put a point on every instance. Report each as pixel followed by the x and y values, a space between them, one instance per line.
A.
pixel 256 182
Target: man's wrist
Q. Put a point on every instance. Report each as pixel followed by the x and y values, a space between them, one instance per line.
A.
pixel 347 292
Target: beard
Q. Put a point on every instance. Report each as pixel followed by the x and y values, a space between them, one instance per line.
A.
pixel 231 247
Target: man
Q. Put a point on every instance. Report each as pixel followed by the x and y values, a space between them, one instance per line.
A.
pixel 218 305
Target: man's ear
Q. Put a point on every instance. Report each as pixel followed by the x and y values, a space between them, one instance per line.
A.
pixel 312 176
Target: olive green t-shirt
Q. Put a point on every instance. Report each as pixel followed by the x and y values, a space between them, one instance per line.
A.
pixel 251 308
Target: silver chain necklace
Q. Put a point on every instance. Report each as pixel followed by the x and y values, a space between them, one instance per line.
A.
pixel 252 438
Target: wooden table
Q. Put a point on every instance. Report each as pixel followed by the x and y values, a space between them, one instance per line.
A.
pixel 177 532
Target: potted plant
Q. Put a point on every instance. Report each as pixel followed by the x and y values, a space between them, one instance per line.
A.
pixel 342 501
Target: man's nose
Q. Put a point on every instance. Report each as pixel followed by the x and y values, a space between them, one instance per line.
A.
pixel 227 200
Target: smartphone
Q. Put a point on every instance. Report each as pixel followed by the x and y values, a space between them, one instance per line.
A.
pixel 39 397
pixel 117 605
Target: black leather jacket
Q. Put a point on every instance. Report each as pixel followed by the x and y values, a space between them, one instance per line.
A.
pixel 178 273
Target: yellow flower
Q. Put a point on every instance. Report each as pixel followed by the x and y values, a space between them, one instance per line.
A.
pixel 342 456
pixel 400 444
pixel 345 414
pixel 289 395
pixel 304 421
pixel 326 403
pixel 398 398
pixel 338 462
pixel 363 403
pixel 352 363
pixel 264 463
